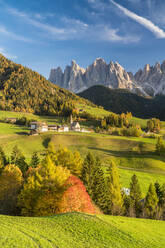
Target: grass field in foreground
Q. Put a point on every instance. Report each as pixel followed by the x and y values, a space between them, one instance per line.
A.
pixel 76 230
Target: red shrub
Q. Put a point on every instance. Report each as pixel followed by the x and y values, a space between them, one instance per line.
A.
pixel 75 198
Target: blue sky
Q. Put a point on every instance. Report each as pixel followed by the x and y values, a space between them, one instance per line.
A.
pixel 44 34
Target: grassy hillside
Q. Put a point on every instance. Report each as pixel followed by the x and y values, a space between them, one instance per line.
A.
pixel 119 101
pixel 123 150
pixel 76 230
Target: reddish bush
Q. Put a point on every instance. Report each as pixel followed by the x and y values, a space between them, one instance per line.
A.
pixel 76 198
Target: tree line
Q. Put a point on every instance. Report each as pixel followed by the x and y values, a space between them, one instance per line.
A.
pixel 64 182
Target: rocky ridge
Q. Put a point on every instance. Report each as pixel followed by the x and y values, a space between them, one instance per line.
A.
pixel 147 82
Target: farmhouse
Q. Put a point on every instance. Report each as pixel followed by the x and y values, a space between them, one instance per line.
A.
pixel 63 128
pixel 38 127
pixel 75 126
pixel 52 127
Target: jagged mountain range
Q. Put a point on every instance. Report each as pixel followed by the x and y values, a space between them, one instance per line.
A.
pixel 149 81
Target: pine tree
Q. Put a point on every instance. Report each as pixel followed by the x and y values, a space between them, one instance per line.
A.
pixel 160 147
pixel 3 160
pixel 151 202
pixel 135 196
pixel 18 159
pixel 35 160
pixel 158 191
pixel 162 204
pixel 88 171
pixel 115 201
pixel 99 187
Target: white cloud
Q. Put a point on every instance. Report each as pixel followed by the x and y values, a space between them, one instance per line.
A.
pixel 59 33
pixel 112 35
pixel 6 54
pixel 73 29
pixel 158 32
pixel 14 36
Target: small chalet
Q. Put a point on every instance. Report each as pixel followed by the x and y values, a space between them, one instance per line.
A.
pixel 38 127
pixel 75 126
pixel 63 128
pixel 52 127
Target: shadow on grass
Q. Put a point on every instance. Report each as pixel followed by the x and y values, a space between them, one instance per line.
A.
pixel 129 154
pixel 22 133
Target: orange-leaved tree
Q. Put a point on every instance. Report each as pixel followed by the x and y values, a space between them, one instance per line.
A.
pixel 76 198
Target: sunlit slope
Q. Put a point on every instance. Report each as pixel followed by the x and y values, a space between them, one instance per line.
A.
pixel 78 230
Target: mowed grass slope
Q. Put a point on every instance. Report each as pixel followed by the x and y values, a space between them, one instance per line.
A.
pixel 76 230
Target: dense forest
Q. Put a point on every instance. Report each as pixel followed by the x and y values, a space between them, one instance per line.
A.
pixel 24 90
pixel 122 101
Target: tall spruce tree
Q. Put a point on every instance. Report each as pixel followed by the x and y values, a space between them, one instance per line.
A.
pixel 18 159
pixel 99 187
pixel 115 201
pixel 3 160
pixel 135 197
pixel 158 191
pixel 88 172
pixel 163 202
pixel 151 202
pixel 35 160
pixel 160 147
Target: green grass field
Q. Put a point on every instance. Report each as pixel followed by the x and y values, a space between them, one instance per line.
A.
pixel 76 230
pixel 122 150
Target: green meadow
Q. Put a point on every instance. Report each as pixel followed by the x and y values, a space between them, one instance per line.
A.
pixel 76 230
pixel 123 150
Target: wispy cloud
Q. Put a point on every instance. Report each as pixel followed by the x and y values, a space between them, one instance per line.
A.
pixel 158 32
pixel 10 34
pixel 73 29
pixel 6 54
pixel 59 33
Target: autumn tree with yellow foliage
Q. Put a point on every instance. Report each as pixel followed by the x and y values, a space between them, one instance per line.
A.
pixel 43 189
pixel 11 182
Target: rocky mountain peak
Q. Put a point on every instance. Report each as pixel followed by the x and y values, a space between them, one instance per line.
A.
pixel 147 81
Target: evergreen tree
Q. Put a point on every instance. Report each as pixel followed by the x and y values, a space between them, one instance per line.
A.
pixel 158 191
pixel 162 203
pixel 3 160
pixel 18 159
pixel 135 196
pixel 99 187
pixel 151 202
pixel 35 160
pixel 160 148
pixel 115 201
pixel 88 172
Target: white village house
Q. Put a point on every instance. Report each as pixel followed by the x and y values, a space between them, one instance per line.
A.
pixel 38 127
pixel 63 128
pixel 75 126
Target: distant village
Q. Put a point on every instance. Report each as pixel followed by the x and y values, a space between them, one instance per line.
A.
pixel 37 127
